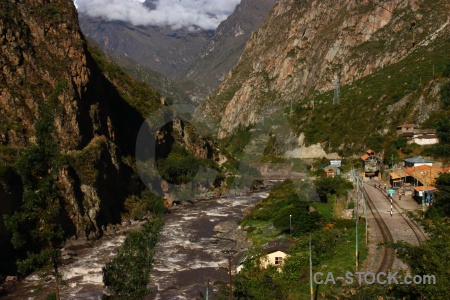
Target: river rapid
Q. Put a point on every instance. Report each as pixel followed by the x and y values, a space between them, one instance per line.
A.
pixel 188 255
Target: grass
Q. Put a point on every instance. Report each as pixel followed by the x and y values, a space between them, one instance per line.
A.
pixel 260 232
pixel 342 261
pixel 325 209
pixel 365 105
pixel 333 244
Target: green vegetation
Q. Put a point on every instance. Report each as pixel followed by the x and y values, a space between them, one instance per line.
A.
pixel 442 149
pixel 36 228
pixel 144 99
pixel 430 258
pixel 441 207
pixel 127 275
pixel 181 166
pixel 285 200
pixel 367 106
pixel 328 186
pixel 333 247
pixel 445 94
pixel 8 158
pixel 85 161
pixel 137 207
pixel 236 143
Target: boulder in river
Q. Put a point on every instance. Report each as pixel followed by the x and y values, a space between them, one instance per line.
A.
pixel 226 226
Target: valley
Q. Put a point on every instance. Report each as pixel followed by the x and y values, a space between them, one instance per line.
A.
pixel 205 150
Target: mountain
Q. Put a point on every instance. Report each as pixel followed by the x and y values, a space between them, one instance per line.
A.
pixel 196 59
pixel 222 52
pixel 51 77
pixel 388 56
pixel 44 55
pixel 163 49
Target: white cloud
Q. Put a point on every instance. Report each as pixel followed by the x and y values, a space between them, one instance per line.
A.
pixel 206 14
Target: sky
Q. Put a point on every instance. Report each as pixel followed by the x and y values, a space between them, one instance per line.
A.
pixel 206 14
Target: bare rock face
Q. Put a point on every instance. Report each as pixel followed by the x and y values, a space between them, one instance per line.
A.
pixel 202 56
pixel 42 46
pixel 42 49
pixel 304 44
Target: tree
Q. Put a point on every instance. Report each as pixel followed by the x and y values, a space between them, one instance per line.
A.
pixel 127 275
pixel 443 130
pixel 441 206
pixel 331 186
pixel 36 225
pixel 299 217
pixel 446 72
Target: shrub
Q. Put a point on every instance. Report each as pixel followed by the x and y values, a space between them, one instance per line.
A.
pixel 332 186
pixel 445 93
pixel 300 218
pixel 446 72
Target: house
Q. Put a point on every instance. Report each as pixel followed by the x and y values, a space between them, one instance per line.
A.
pixel 416 162
pixel 425 137
pixel 422 178
pixel 273 253
pixel 371 164
pixel 406 130
pixel 396 180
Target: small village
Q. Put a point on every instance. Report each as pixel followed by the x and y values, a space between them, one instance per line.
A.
pixel 408 185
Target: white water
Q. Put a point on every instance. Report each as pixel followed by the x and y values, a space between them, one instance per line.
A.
pixel 187 256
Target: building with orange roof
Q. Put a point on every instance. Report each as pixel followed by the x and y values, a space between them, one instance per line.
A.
pixel 422 177
pixel 371 164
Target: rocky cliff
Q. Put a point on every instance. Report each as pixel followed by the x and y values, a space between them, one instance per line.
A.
pixel 43 50
pixel 304 46
pixel 222 52
pixel 196 59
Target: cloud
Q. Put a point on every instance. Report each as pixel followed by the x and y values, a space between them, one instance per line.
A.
pixel 206 14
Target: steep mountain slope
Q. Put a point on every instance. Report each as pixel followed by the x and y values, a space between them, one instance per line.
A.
pixel 97 110
pixel 303 45
pixel 222 53
pixel 197 59
pixel 44 53
pixel 162 49
pixel 170 90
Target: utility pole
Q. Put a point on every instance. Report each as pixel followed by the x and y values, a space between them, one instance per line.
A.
pixel 231 277
pixel 365 213
pixel 337 90
pixel 356 244
pixel 310 270
pixel 229 254
pixel 392 162
pixel 290 224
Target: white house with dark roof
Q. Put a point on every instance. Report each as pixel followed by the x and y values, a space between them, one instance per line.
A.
pixel 274 253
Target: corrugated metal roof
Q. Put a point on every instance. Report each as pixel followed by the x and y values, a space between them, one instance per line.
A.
pixel 418 159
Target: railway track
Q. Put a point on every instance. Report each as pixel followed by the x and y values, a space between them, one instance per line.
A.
pixel 418 232
pixel 388 253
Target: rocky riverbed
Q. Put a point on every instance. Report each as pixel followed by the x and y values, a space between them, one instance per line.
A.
pixel 190 252
pixel 192 246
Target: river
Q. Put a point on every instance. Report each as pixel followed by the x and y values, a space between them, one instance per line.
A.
pixel 187 256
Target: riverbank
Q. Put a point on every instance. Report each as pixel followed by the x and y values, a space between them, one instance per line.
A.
pixel 83 259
